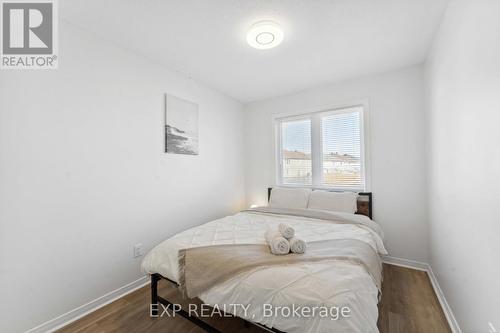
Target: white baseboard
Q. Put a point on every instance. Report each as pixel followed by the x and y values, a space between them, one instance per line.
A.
pixel 421 266
pixel 452 321
pixel 444 304
pixel 81 311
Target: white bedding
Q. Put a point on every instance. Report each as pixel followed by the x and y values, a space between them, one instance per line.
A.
pixel 334 283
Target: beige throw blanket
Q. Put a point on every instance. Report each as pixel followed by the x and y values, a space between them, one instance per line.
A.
pixel 201 268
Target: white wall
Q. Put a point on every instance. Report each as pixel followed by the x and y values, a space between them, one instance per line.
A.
pixel 397 151
pixel 463 79
pixel 84 177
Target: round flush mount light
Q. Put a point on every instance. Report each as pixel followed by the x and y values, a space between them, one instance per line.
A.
pixel 265 35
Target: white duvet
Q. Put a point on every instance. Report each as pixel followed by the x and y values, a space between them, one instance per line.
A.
pixel 328 284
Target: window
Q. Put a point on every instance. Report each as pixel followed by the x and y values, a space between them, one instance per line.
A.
pixel 322 149
pixel 296 152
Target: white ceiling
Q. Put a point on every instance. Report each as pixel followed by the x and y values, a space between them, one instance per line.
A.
pixel 325 40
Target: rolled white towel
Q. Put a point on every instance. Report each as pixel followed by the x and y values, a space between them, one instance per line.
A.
pixel 286 231
pixel 297 245
pixel 277 243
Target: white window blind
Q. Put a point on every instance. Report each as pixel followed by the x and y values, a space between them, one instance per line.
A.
pixel 341 150
pixel 323 149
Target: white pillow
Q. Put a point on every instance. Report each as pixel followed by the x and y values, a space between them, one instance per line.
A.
pixel 282 197
pixel 337 201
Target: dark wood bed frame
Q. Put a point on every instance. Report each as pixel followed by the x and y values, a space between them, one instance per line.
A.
pixel 364 208
pixel 156 299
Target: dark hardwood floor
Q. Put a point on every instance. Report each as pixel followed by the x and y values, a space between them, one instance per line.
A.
pixel 408 305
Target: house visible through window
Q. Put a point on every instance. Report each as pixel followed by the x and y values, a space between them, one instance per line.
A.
pixel 323 149
pixel 296 138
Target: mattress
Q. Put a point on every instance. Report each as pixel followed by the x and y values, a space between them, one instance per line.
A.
pixel 268 291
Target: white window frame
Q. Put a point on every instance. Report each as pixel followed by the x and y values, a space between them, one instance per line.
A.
pixel 316 144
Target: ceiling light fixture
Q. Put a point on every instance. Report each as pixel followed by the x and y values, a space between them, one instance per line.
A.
pixel 265 35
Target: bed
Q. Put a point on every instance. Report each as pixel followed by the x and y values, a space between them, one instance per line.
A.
pixel 349 275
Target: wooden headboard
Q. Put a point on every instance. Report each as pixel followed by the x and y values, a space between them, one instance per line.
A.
pixel 364 202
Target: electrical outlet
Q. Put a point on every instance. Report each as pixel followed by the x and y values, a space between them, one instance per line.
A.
pixel 138 250
pixel 491 328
